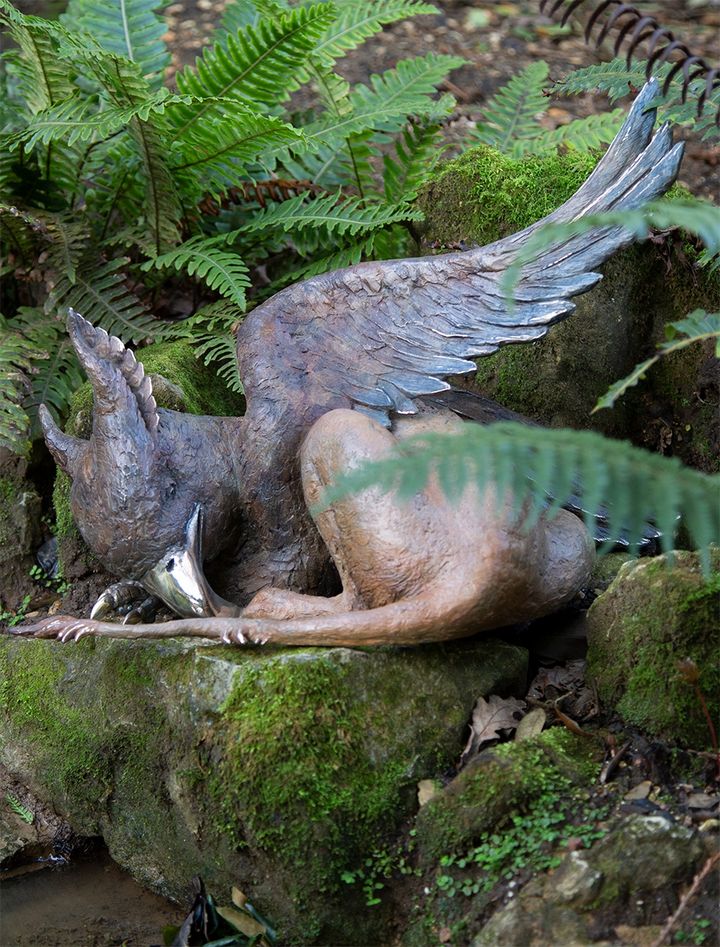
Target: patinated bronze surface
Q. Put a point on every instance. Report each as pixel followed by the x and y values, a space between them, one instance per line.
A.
pixel 211 514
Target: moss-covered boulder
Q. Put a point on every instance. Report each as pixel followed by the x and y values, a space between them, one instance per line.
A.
pixel 483 196
pixel 276 771
pixel 653 618
pixel 501 780
pixel 634 873
pixel 181 382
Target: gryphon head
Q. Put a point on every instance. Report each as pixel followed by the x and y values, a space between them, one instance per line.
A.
pixel 140 482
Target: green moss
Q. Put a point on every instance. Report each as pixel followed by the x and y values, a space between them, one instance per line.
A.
pixel 296 767
pixel 651 618
pixel 66 736
pixel 503 780
pixel 484 195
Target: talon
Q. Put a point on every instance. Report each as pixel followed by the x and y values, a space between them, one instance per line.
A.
pixel 143 613
pixel 118 599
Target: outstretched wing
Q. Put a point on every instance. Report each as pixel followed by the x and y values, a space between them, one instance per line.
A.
pixel 377 335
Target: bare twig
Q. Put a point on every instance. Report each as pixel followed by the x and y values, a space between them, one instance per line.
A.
pixel 613 763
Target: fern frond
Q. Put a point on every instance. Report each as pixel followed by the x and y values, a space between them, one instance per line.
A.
pixel 126 88
pixel 390 98
pixel 101 294
pixel 511 116
pixel 208 259
pixel 679 105
pixel 633 486
pixel 18 355
pixel 335 213
pixel 417 151
pixel 357 22
pixel 237 15
pixel 44 79
pixel 211 333
pixel 613 78
pixel 67 238
pixel 349 255
pixel 585 134
pixel 128 28
pixel 78 120
pixel 217 155
pixel 20 232
pixel 255 66
pixel 55 371
pixel 697 326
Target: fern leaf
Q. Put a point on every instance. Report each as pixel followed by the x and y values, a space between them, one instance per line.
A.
pixel 634 486
pixel 334 212
pixel 217 155
pixel 357 22
pixel 511 116
pixel 585 134
pixel 78 120
pixel 211 333
pixel 55 372
pixel 417 151
pixel 126 87
pixel 256 65
pixel 612 78
pixel 237 15
pixel 128 28
pixel 203 257
pixel 349 255
pixel 17 357
pixel 44 79
pixel 390 98
pixel 697 326
pixel 100 293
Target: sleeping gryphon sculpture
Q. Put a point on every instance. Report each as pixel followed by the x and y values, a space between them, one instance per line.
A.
pixel 212 515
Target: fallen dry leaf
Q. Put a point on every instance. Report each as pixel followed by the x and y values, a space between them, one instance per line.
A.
pixel 427 789
pixel 568 681
pixel 531 724
pixel 489 718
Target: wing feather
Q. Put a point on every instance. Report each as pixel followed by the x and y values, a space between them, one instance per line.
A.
pixel 377 335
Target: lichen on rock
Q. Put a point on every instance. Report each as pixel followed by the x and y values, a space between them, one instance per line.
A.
pixel 654 615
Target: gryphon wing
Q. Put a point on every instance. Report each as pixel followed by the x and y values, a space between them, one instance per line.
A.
pixel 377 335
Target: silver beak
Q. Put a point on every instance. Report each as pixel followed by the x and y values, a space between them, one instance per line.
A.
pixel 178 578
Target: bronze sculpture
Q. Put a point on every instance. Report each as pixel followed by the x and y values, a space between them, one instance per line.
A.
pixel 329 365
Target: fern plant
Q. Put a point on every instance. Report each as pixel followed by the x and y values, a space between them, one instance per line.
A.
pixel 512 120
pixel 116 191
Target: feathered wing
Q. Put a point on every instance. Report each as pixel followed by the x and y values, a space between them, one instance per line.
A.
pixel 377 335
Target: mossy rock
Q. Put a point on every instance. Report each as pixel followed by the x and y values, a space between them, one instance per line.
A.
pixel 642 861
pixel 653 616
pixel 275 771
pixel 500 780
pixel 483 196
pixel 181 382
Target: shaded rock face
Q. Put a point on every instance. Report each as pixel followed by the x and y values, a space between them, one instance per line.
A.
pixel 640 857
pixel 274 771
pixel 557 380
pixel 652 617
